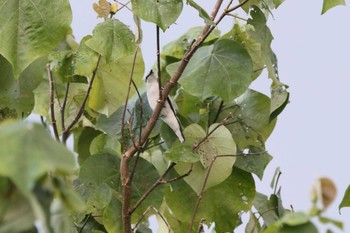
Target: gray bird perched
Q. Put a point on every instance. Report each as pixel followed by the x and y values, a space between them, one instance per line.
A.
pixel 168 112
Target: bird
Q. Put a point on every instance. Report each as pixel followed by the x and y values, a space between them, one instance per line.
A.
pixel 167 115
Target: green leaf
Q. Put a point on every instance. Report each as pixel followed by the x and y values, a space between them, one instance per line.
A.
pixel 266 6
pixel 336 223
pixel 279 100
pixel 85 59
pixel 346 199
pixel 82 139
pixel 112 216
pixel 103 143
pixel 143 179
pixel 251 119
pixel 254 163
pixel 109 88
pixel 294 219
pixel 241 34
pixel 253 225
pixel 307 228
pixel 162 12
pixel 328 4
pixel 113 40
pixel 202 13
pixel 182 152
pixel 32 29
pixel 262 35
pixel 96 196
pixel 101 169
pixel 28 152
pixel 68 65
pixel 266 208
pixel 220 142
pixel 238 192
pixel 278 3
pixel 15 211
pixel 177 48
pixel 17 94
pixel 224 69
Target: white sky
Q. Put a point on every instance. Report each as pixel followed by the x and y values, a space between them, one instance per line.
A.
pixel 311 136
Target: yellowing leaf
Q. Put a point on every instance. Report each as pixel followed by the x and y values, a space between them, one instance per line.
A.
pixel 325 191
pixel 102 8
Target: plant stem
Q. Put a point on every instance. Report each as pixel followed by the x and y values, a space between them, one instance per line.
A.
pixel 52 103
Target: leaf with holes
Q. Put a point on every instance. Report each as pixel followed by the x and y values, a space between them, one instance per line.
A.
pixel 219 142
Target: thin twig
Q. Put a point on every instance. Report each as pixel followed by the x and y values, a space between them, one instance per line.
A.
pixel 85 222
pixel 123 5
pixel 223 122
pixel 63 107
pixel 124 144
pixel 236 7
pixel 158 63
pixel 277 179
pixel 200 195
pixel 145 195
pixel 157 212
pixel 141 110
pixel 52 104
pixel 179 177
pixel 134 167
pixel 160 181
pixel 219 111
pixel 80 112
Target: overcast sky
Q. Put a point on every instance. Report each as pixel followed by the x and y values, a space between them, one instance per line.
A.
pixel 312 134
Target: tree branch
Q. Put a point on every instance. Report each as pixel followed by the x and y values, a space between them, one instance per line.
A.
pixel 158 63
pixel 152 121
pixel 63 107
pixel 66 132
pixel 160 181
pixel 157 212
pixel 52 103
pixel 200 195
pixel 131 81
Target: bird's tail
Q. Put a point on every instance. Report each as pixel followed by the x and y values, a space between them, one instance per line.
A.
pixel 173 123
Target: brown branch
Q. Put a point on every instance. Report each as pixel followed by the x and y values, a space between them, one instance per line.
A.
pixel 157 212
pixel 146 194
pixel 124 144
pixel 223 122
pixel 80 112
pixel 141 109
pixel 124 170
pixel 160 181
pixel 63 107
pixel 52 104
pixel 200 195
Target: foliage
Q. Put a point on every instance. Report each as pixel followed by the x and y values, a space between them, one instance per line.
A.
pixel 127 165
